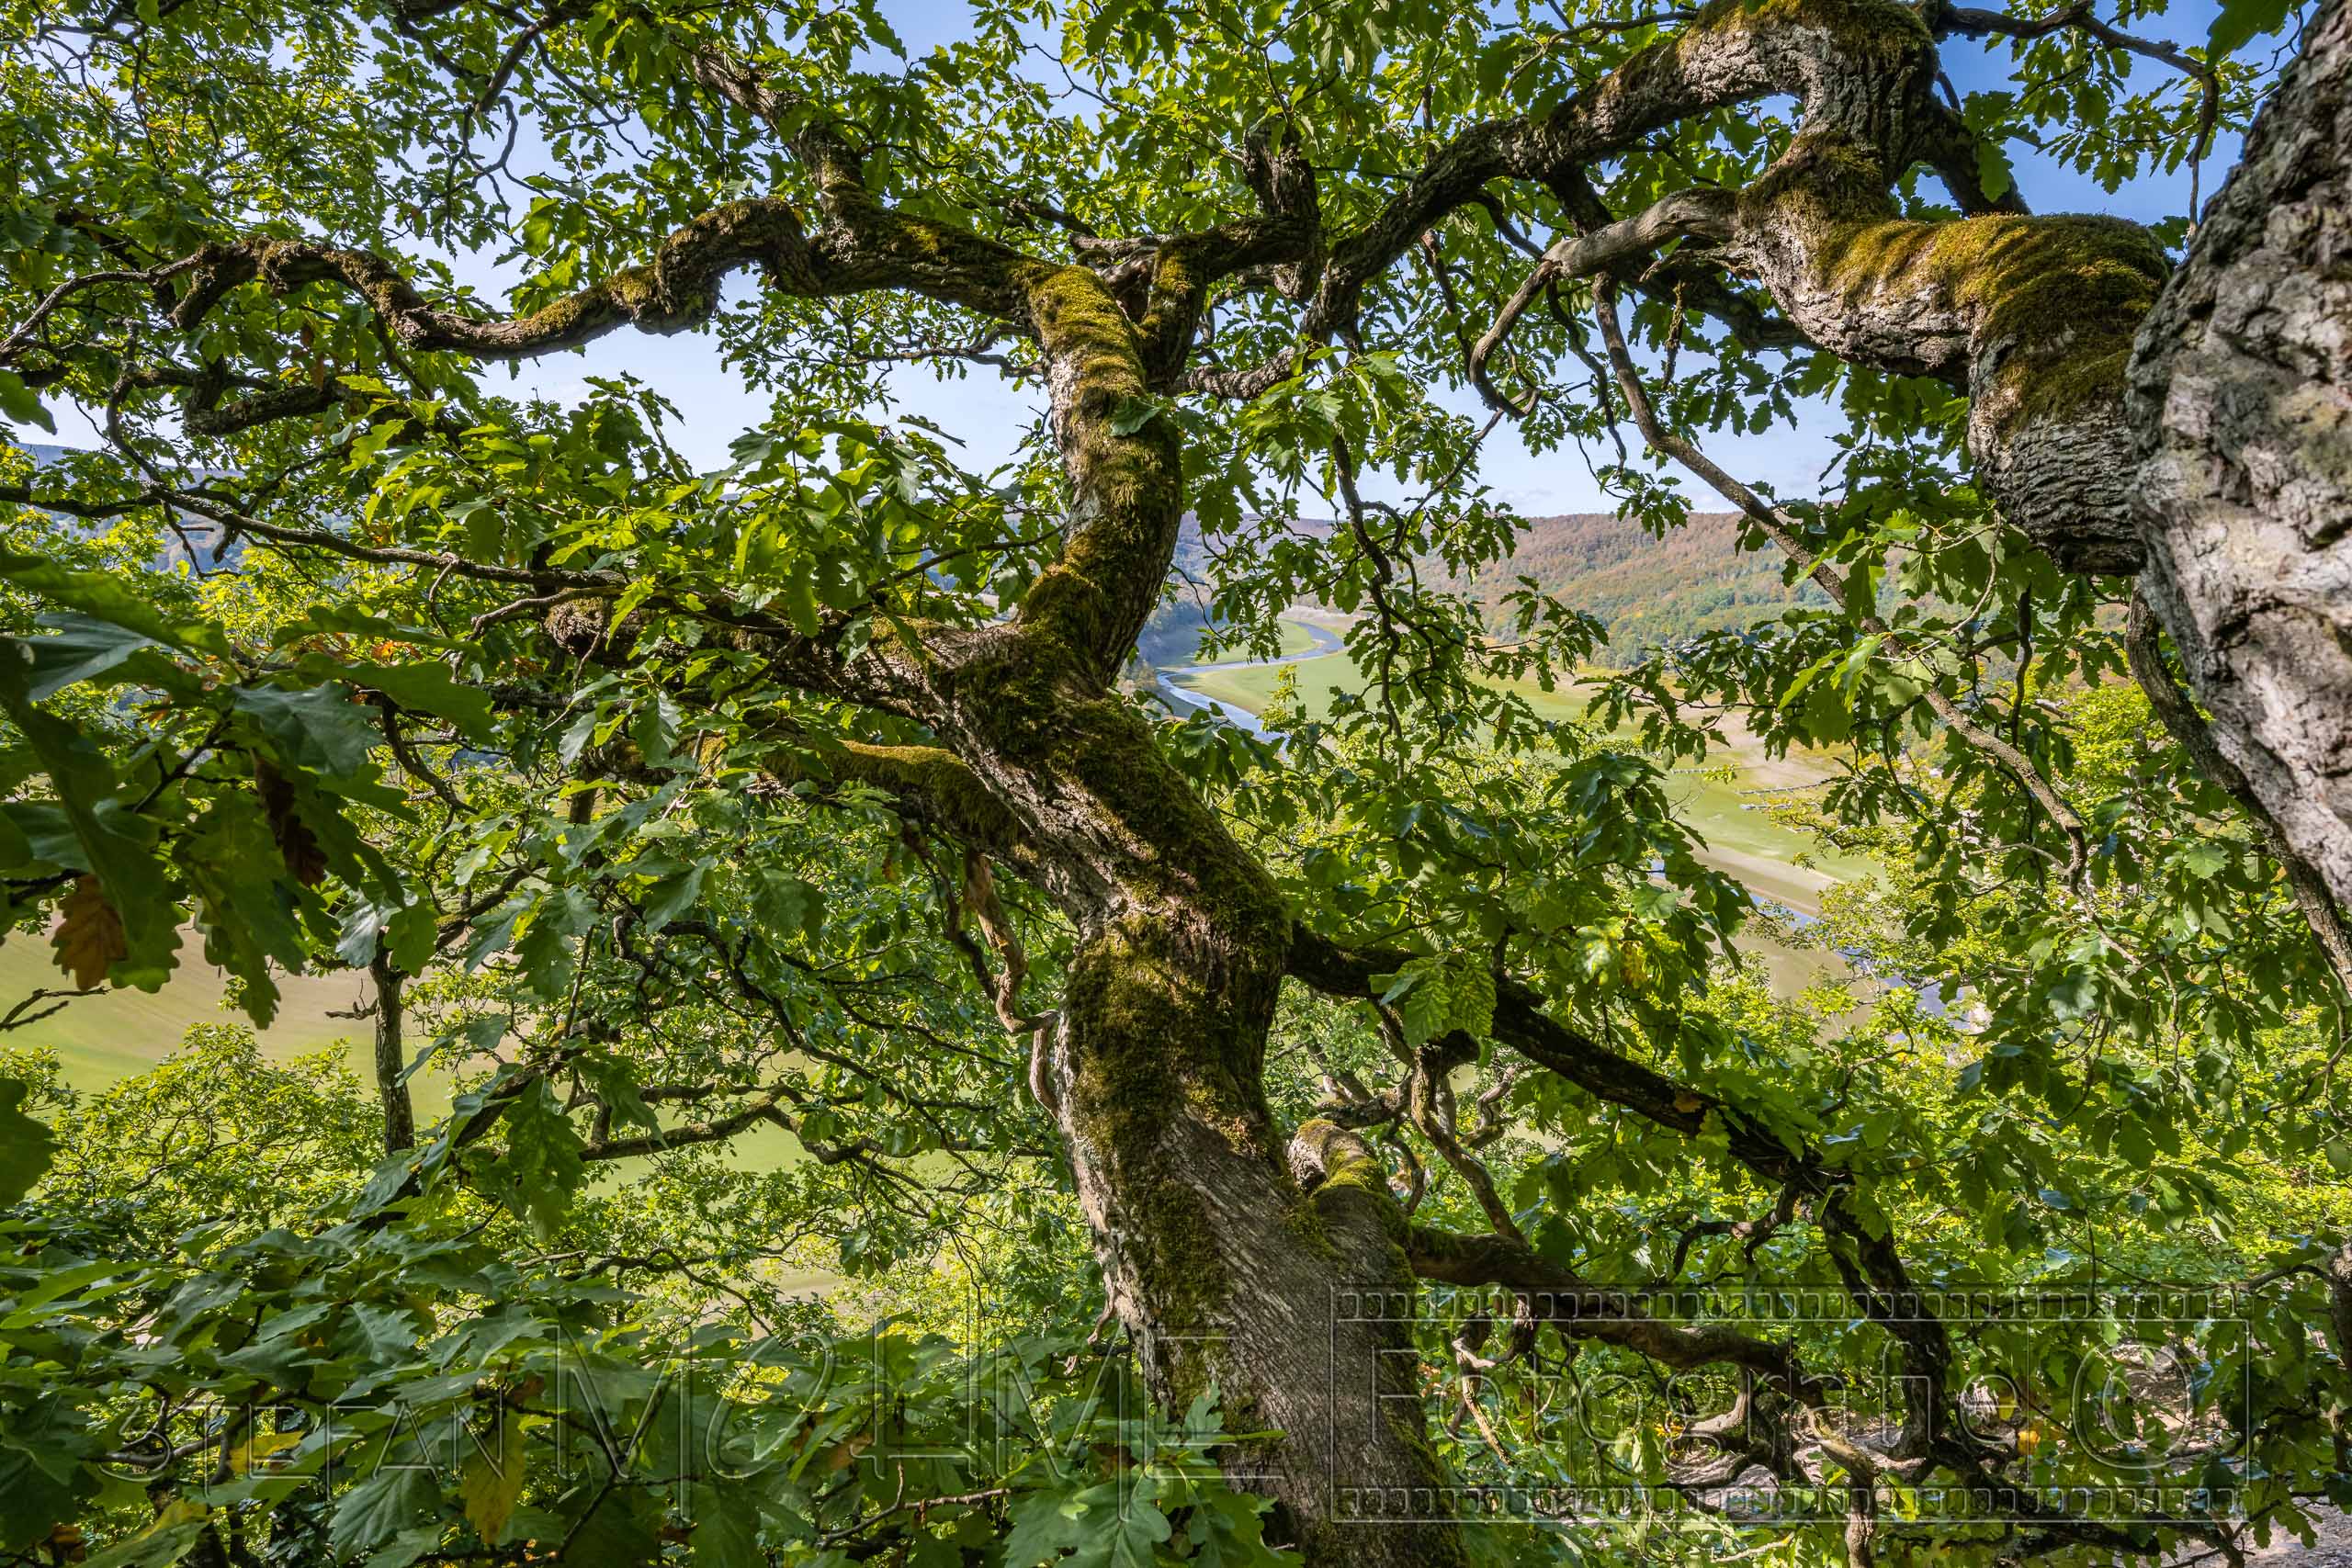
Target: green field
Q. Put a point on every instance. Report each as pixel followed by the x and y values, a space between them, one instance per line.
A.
pixel 104 1037
pixel 1324 677
pixel 1320 680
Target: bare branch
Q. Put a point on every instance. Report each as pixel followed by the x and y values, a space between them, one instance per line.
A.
pixel 1704 213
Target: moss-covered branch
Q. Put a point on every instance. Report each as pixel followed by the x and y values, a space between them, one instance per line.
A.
pixel 677 290
pixel 2034 318
pixel 931 784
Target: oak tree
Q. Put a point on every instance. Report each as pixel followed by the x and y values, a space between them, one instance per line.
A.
pixel 445 681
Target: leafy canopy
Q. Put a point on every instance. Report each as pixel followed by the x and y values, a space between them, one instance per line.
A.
pixel 337 656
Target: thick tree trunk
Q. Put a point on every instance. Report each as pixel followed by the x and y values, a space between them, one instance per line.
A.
pixel 1227 1274
pixel 2242 402
pixel 1224 1269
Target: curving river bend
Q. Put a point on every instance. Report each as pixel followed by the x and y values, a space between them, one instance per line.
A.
pixel 1183 699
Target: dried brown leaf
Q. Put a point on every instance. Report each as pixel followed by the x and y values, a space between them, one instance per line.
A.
pixel 89 936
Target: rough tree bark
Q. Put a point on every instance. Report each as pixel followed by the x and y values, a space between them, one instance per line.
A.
pixel 2242 407
pixel 1222 1268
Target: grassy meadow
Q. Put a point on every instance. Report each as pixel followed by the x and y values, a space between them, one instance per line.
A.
pixel 104 1037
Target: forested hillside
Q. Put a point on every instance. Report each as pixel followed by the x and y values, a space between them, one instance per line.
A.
pixel 1646 589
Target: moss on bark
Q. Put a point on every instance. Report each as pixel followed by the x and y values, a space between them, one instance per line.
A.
pixel 1126 478
pixel 2054 301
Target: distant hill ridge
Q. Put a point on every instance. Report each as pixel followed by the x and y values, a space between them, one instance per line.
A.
pixel 1646 590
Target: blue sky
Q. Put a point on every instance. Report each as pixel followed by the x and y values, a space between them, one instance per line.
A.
pixel 988 414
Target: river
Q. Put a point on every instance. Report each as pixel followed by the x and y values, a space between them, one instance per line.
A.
pixel 1183 699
